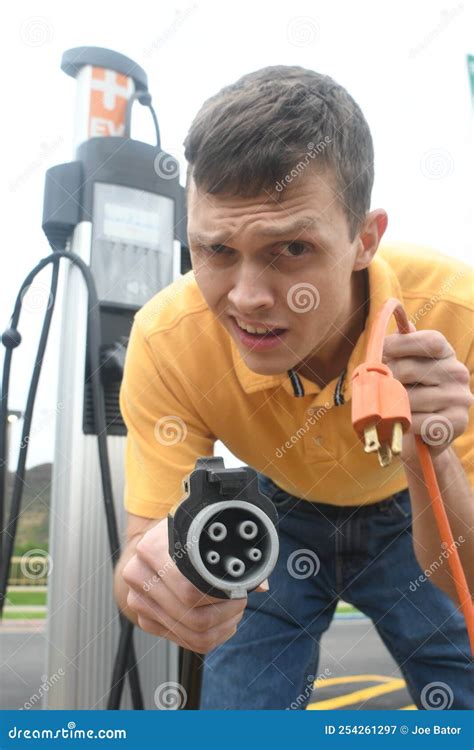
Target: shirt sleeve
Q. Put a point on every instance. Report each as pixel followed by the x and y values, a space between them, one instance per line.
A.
pixel 165 433
pixel 464 444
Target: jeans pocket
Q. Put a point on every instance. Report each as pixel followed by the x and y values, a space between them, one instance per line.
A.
pixel 397 507
pixel 279 497
pixel 282 500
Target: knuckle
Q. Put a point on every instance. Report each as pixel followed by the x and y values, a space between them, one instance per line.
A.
pixel 404 372
pixel 141 548
pixel 436 343
pixel 461 373
pixel 134 601
pixel 189 594
pixel 144 624
pixel 203 621
pixel 152 626
pixel 129 572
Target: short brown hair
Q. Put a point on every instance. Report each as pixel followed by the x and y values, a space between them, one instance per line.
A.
pixel 250 134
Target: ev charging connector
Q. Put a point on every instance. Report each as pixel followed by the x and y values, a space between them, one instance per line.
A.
pixel 223 533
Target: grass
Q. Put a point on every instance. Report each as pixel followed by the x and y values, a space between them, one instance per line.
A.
pixel 346 608
pixel 18 614
pixel 18 598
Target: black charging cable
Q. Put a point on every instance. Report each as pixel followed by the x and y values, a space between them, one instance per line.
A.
pixel 11 339
pixel 144 97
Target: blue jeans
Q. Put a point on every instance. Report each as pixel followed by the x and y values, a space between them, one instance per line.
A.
pixel 363 554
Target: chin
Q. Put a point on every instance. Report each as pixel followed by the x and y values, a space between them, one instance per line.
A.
pixel 265 368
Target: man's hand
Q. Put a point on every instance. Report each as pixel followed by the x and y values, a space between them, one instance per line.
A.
pixel 437 384
pixel 170 606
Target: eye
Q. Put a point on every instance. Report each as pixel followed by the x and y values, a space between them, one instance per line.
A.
pixel 299 247
pixel 213 249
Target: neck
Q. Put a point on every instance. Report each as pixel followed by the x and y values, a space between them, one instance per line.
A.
pixel 331 358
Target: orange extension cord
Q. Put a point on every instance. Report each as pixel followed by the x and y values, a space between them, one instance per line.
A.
pixel 380 415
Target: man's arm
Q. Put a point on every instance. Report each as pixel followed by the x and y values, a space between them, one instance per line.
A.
pixel 458 500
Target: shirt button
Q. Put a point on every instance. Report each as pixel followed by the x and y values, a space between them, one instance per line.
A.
pixel 310 412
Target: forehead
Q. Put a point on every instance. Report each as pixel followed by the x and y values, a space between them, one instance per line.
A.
pixel 311 204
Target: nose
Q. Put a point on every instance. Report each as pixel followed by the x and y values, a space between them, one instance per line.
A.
pixel 250 292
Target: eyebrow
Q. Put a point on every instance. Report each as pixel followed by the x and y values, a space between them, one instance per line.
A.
pixel 272 230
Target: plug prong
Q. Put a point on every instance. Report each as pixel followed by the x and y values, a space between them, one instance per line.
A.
pixel 397 438
pixel 371 439
pixel 385 454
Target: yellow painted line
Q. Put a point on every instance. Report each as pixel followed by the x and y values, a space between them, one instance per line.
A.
pixel 411 707
pixel 352 678
pixel 357 695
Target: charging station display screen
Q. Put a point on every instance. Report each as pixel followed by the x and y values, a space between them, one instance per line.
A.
pixel 132 244
pixel 131 225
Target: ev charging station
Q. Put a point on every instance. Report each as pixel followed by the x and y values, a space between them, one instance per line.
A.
pixel 120 208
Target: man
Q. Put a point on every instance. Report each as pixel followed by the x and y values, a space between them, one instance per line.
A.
pixel 282 238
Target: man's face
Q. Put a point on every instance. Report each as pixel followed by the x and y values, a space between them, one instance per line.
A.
pixel 251 265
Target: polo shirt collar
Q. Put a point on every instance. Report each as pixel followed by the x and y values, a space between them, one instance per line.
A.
pixel 383 284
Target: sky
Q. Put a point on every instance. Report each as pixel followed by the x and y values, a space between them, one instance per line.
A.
pixel 404 63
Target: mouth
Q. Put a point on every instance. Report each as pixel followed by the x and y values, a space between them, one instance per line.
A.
pixel 272 337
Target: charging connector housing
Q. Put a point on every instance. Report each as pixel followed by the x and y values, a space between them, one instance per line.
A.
pixel 223 533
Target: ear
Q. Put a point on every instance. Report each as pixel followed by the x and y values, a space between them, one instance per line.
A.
pixel 369 236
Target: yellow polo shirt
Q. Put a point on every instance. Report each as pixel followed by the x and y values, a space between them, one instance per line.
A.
pixel 186 386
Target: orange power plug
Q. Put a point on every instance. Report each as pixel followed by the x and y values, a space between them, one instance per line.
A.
pixel 380 410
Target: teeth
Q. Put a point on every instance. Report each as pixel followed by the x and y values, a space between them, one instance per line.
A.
pixel 252 329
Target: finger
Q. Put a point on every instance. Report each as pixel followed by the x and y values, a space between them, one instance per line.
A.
pixel 169 575
pixel 189 594
pixel 431 344
pixel 264 586
pixel 413 370
pixel 201 618
pixel 184 636
pixel 432 399
pixel 435 429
